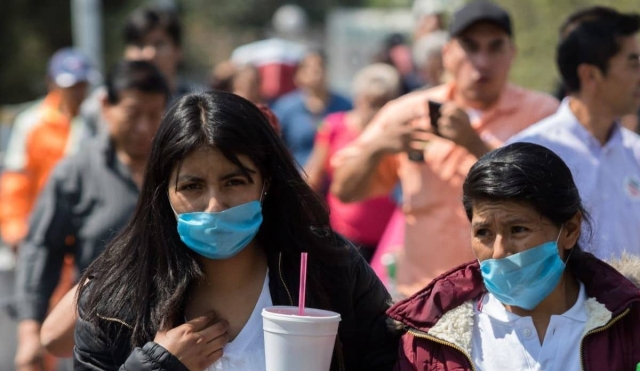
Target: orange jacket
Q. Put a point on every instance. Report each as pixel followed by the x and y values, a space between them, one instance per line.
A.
pixel 43 141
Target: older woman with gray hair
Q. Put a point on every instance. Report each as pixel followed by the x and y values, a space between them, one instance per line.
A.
pixel 361 222
pixel 427 57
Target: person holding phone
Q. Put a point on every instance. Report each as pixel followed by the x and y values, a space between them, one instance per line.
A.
pixel 480 110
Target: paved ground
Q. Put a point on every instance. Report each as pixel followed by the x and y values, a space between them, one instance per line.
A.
pixel 7 324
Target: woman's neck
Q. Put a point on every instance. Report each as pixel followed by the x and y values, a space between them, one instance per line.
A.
pixel 231 289
pixel 316 100
pixel 234 274
pixel 561 299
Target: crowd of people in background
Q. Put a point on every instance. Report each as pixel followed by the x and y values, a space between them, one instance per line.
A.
pixel 86 191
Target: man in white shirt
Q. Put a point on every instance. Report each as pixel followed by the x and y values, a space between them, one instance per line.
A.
pixel 599 59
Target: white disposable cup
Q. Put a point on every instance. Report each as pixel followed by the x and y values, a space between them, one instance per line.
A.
pixel 295 343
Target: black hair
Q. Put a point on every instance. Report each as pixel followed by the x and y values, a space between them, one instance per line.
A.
pixel 526 173
pixel 592 36
pixel 147 269
pixel 146 19
pixel 137 75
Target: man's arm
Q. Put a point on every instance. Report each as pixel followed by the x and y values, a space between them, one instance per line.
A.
pixel 16 195
pixel 17 187
pixel 369 166
pixel 357 168
pixel 315 167
pixel 41 257
pixel 56 334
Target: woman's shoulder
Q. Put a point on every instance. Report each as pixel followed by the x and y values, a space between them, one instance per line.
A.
pixel 99 339
pixel 90 311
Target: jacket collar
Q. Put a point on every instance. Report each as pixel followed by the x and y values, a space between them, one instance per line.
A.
pixel 452 289
pixel 603 283
pixel 611 292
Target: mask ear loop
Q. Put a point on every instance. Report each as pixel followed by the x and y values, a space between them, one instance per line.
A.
pixel 171 206
pixel 570 251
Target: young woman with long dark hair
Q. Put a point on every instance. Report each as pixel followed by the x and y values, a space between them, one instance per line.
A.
pixel 222 218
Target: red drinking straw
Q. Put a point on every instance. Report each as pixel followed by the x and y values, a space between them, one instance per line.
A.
pixel 303 283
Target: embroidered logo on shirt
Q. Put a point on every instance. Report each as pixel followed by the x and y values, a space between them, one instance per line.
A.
pixel 632 187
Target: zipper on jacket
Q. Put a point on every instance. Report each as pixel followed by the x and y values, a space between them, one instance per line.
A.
pixel 599 329
pixel 282 279
pixel 123 323
pixel 423 335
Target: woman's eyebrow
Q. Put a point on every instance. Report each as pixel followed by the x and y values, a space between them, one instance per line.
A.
pixel 237 173
pixel 517 220
pixel 480 224
pixel 188 178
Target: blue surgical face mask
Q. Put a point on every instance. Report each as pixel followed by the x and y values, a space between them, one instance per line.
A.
pixel 220 235
pixel 524 279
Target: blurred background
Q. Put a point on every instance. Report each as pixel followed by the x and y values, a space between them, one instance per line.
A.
pixel 32 30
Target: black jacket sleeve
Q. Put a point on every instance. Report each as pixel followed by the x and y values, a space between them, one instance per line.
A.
pixel 103 349
pixel 376 345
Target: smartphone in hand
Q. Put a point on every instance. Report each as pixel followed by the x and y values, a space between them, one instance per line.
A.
pixel 434 116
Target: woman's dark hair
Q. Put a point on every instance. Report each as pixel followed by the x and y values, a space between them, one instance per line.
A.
pixel 527 173
pixel 137 75
pixel 592 36
pixel 146 19
pixel 147 269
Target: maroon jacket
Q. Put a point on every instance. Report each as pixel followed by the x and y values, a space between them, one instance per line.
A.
pixel 612 343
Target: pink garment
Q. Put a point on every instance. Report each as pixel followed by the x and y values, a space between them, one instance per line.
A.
pixel 391 242
pixel 437 231
pixel 360 222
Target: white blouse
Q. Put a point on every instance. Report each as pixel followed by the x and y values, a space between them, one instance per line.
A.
pixel 502 340
pixel 246 351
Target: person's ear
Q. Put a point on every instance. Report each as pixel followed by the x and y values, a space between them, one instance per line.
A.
pixel 448 55
pixel 589 75
pixel 105 107
pixel 179 55
pixel 571 232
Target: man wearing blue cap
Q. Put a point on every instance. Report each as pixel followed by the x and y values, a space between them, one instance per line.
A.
pixel 47 133
pixel 39 139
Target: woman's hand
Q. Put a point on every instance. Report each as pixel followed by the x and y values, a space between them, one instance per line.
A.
pixel 197 343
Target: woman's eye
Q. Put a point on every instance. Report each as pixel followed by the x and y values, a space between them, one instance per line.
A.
pixel 482 233
pixel 189 187
pixel 235 182
pixel 518 229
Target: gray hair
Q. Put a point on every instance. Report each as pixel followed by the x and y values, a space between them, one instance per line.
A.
pixel 427 46
pixel 629 266
pixel 423 8
pixel 379 82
